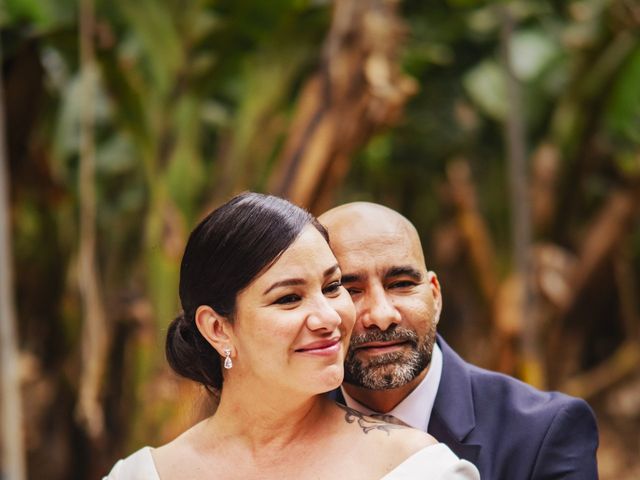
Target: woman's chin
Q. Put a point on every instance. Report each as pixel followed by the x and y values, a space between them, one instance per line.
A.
pixel 329 380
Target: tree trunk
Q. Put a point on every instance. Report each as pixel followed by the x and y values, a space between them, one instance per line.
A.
pixel 357 91
pixel 94 331
pixel 13 459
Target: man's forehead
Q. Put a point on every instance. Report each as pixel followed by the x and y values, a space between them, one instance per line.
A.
pixel 377 256
pixel 370 240
pixel 375 251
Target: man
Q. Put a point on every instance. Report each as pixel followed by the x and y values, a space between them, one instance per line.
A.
pixel 397 365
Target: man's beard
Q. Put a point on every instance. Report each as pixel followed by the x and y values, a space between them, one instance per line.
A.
pixel 389 370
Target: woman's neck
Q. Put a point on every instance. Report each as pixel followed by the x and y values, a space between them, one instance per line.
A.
pixel 273 419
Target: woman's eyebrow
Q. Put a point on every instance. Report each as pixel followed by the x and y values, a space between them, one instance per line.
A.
pixel 289 282
pixel 331 270
pixel 285 283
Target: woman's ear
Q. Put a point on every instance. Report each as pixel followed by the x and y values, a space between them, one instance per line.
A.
pixel 215 328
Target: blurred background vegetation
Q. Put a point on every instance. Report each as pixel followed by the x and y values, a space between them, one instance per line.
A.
pixel 508 132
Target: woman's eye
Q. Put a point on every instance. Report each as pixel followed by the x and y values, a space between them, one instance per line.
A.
pixel 291 298
pixel 333 287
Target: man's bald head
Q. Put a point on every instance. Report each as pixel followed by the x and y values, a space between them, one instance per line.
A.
pixel 357 221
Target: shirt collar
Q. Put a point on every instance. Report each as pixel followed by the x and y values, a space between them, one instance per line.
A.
pixel 415 409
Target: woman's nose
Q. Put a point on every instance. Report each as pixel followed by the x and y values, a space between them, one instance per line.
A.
pixel 323 316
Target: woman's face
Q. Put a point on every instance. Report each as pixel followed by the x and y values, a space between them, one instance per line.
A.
pixel 293 322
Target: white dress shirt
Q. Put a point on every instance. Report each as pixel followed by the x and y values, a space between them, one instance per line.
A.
pixel 415 409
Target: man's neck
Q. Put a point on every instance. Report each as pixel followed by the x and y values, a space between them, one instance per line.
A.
pixel 383 401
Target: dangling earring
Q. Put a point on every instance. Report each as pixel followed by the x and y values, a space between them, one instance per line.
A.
pixel 227 358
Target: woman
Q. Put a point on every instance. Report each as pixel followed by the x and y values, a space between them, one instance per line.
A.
pixel 266 324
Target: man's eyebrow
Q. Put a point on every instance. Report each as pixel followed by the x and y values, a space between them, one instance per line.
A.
pixel 351 277
pixel 404 271
pixel 299 281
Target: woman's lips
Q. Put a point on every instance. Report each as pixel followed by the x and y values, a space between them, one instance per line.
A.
pixel 323 347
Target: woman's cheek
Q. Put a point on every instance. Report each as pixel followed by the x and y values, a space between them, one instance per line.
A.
pixel 346 310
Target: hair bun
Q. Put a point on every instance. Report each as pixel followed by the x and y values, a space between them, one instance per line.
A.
pixel 181 320
pixel 190 355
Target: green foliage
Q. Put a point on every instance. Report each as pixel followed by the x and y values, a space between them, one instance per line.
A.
pixel 624 111
pixel 39 15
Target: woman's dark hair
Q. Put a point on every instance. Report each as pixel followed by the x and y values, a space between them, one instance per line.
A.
pixel 224 254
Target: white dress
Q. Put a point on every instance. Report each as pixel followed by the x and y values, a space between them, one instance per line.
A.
pixel 435 462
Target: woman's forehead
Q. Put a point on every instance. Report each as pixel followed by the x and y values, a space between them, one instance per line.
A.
pixel 308 255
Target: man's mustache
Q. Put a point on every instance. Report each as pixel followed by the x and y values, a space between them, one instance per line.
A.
pixel 392 334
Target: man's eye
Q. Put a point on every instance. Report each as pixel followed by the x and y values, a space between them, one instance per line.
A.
pixel 333 287
pixel 402 284
pixel 353 290
pixel 291 298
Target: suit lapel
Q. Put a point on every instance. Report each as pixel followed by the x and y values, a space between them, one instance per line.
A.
pixel 439 429
pixel 453 415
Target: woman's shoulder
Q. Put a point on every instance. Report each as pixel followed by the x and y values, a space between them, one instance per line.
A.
pixel 439 461
pixel 145 463
pixel 405 442
pixel 412 439
pixel 137 466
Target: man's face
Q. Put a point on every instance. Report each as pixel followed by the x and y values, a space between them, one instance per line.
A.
pixel 397 300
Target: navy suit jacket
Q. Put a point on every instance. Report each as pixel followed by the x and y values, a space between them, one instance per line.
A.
pixel 510 430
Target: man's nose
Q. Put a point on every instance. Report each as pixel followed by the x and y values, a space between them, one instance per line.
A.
pixel 379 311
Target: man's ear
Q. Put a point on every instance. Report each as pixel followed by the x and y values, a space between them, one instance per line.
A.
pixel 215 328
pixel 437 294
